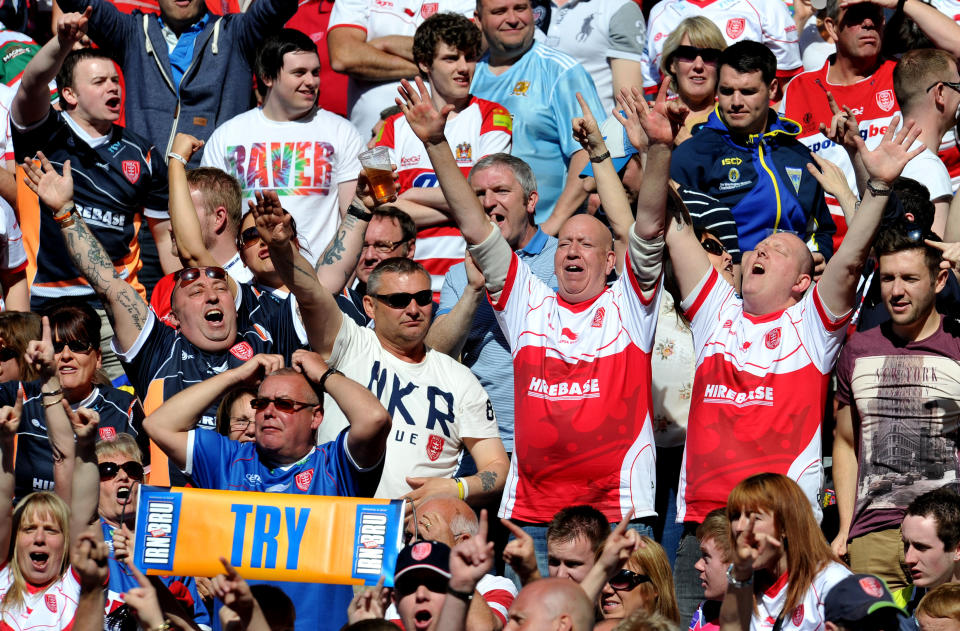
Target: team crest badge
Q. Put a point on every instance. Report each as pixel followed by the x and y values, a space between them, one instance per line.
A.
pixel 772 339
pixel 598 318
pixel 886 100
pixel 428 8
pixel 243 351
pixel 797 617
pixel 51 602
pixel 464 152
pixel 421 551
pixel 735 27
pixel 794 174
pixel 871 586
pixel 434 447
pixel 131 170
pixel 734 174
pixel 107 433
pixel 303 479
pixel 521 88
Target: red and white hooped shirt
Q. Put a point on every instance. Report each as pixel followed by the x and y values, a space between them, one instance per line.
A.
pixel 758 394
pixel 481 129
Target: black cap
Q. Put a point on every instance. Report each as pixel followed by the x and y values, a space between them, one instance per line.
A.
pixel 431 556
pixel 856 597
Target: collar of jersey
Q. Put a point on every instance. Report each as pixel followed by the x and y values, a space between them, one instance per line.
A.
pixel 776 126
pixel 89 400
pixel 766 317
pixel 579 306
pixel 82 133
pixel 287 467
pixel 537 242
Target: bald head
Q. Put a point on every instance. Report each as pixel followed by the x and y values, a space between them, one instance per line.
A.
pixel 584 223
pixel 552 604
pixel 447 519
pixel 584 258
pixel 776 274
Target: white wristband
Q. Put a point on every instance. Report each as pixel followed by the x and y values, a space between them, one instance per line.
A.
pixel 177 157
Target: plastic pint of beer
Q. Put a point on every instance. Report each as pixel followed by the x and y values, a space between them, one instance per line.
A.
pixel 376 164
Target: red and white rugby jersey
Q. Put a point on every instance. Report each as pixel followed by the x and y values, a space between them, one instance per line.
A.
pixel 758 394
pixel 50 609
pixel 482 128
pixel 583 430
pixel 765 21
pixel 872 101
pixel 808 615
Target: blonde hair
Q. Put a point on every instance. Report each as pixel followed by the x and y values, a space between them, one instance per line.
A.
pixel 24 513
pixel 941 602
pixel 643 620
pixel 806 549
pixel 701 32
pixel 122 444
pixel 650 559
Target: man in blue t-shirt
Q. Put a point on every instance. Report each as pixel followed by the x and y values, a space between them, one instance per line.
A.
pixel 289 409
pixel 538 85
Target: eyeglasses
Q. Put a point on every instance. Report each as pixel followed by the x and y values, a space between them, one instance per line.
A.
pixel 287 406
pixel 384 247
pixel 109 470
pixel 402 299
pixel 241 423
pixel 714 247
pixel 690 53
pixel 249 237
pixel 189 274
pixel 953 85
pixel 75 346
pixel 625 580
pixel 7 353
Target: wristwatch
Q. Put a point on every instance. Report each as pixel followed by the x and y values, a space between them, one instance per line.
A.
pixel 359 211
pixel 466 597
pixel 732 580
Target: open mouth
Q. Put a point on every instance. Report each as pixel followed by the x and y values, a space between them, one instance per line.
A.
pixel 123 494
pixel 422 619
pixel 39 559
pixel 610 604
pixel 573 268
pixel 113 103
pixel 757 268
pixel 214 315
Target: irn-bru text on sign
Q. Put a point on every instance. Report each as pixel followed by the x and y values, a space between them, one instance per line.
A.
pixel 268 536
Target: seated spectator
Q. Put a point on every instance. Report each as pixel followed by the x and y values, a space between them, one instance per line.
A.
pixel 939 610
pixel 690 56
pixel 722 159
pixel 319 147
pixel 715 557
pixel 449 520
pixel 931 538
pixel 72 329
pixel 283 457
pixel 769 23
pixel 236 416
pixel 17 328
pixel 862 601
pixel 644 582
pixel 782 566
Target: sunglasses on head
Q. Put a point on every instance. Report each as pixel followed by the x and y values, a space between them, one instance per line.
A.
pixel 625 580
pixel 713 247
pixel 287 406
pixel 690 53
pixel 249 237
pixel 188 275
pixel 109 470
pixel 402 299
pixel 7 353
pixel 75 346
pixel 916 233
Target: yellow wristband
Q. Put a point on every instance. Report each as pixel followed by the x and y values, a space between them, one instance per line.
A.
pixel 461 489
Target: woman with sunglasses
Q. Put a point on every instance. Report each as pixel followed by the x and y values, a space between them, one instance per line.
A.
pixel 72 329
pixel 645 581
pixel 782 566
pixel 690 56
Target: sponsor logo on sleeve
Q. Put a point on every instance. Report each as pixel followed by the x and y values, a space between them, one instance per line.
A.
pixel 502 119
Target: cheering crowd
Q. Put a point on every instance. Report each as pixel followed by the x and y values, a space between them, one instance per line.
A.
pixel 650 312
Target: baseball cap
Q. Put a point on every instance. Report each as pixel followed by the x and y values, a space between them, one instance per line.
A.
pixel 615 136
pixel 430 556
pixel 856 597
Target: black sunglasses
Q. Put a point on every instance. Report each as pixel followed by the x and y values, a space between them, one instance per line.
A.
pixel 287 406
pixel 625 580
pixel 109 470
pixel 432 581
pixel 188 275
pixel 713 247
pixel 690 53
pixel 402 299
pixel 249 236
pixel 7 353
pixel 75 346
pixel 954 85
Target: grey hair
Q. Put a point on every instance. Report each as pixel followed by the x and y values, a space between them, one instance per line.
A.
pixel 520 169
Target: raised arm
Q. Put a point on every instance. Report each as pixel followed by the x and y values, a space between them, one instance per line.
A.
pixel 448 332
pixel 690 261
pixel 617 548
pixel 318 308
pixel 838 284
pixel 238 601
pixel 89 558
pixel 125 307
pixel 169 426
pixel 86 474
pixel 470 560
pixel 9 422
pixel 370 423
pixel 32 101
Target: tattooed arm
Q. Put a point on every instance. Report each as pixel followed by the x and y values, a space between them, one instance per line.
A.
pixel 125 307
pixel 492 465
pixel 318 308
pixel 337 263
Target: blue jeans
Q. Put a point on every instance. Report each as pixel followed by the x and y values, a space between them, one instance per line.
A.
pixel 686 578
pixel 538 532
pixel 666 529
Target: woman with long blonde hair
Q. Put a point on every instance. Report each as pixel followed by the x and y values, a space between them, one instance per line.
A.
pixel 782 566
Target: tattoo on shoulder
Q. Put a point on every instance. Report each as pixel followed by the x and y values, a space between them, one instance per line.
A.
pixel 488 479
